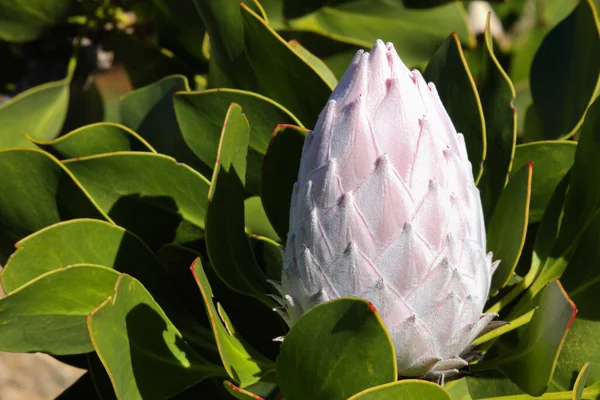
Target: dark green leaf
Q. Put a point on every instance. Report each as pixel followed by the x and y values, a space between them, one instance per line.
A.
pixel 226 241
pixel 531 364
pixel 131 186
pixel 407 389
pixel 150 112
pixel 279 173
pixel 508 228
pixel 142 351
pixel 104 137
pixel 252 56
pixel 497 93
pixel 23 21
pixel 551 162
pixel 37 191
pixel 201 115
pixel 448 69
pixel 565 72
pixel 49 313
pixel 334 351
pixel 40 111
pixel 256 220
pixel 315 62
pixel 243 363
pixel 416 34
pixel 145 63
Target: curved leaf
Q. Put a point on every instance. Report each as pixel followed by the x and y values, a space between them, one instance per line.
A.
pixel 565 72
pixel 279 173
pixel 497 94
pixel 40 111
pixel 99 138
pixel 408 389
pixel 25 21
pixel 37 191
pixel 201 114
pixel 243 363
pixel 551 162
pixel 508 228
pixel 130 186
pixel 142 351
pixel 334 351
pixel 448 69
pixel 59 299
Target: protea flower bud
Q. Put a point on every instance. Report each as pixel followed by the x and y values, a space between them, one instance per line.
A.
pixel 386 209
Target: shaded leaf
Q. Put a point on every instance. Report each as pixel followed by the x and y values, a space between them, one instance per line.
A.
pixel 497 93
pixel 551 162
pixel 448 69
pixel 279 173
pixel 130 186
pixel 142 351
pixel 226 241
pixel 507 229
pixel 150 112
pixel 531 364
pixel 565 72
pixel 26 21
pixel 315 62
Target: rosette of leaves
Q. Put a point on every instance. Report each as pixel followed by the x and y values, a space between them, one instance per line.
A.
pixel 142 246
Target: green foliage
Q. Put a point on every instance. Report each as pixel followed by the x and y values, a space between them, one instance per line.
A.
pixel 147 242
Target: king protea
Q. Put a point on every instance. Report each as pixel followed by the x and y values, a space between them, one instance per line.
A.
pixel 386 209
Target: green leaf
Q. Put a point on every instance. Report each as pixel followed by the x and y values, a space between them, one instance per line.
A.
pixel 226 241
pixel 239 393
pixel 242 363
pixel 580 382
pixel 49 313
pixel 131 186
pixel 150 112
pixel 200 116
pixel 180 28
pixel 103 137
pixel 252 56
pixel 583 199
pixel 279 173
pixel 334 351
pixel 565 72
pixel 40 111
pixel 315 62
pixel 416 34
pixel 531 364
pixel 256 220
pixel 497 94
pixel 99 243
pixel 22 21
pixel 335 51
pixel 83 241
pixel 448 69
pixel 408 389
pixel 581 280
pixel 508 228
pixel 142 351
pixel 145 62
pixel 551 162
pixel 37 191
